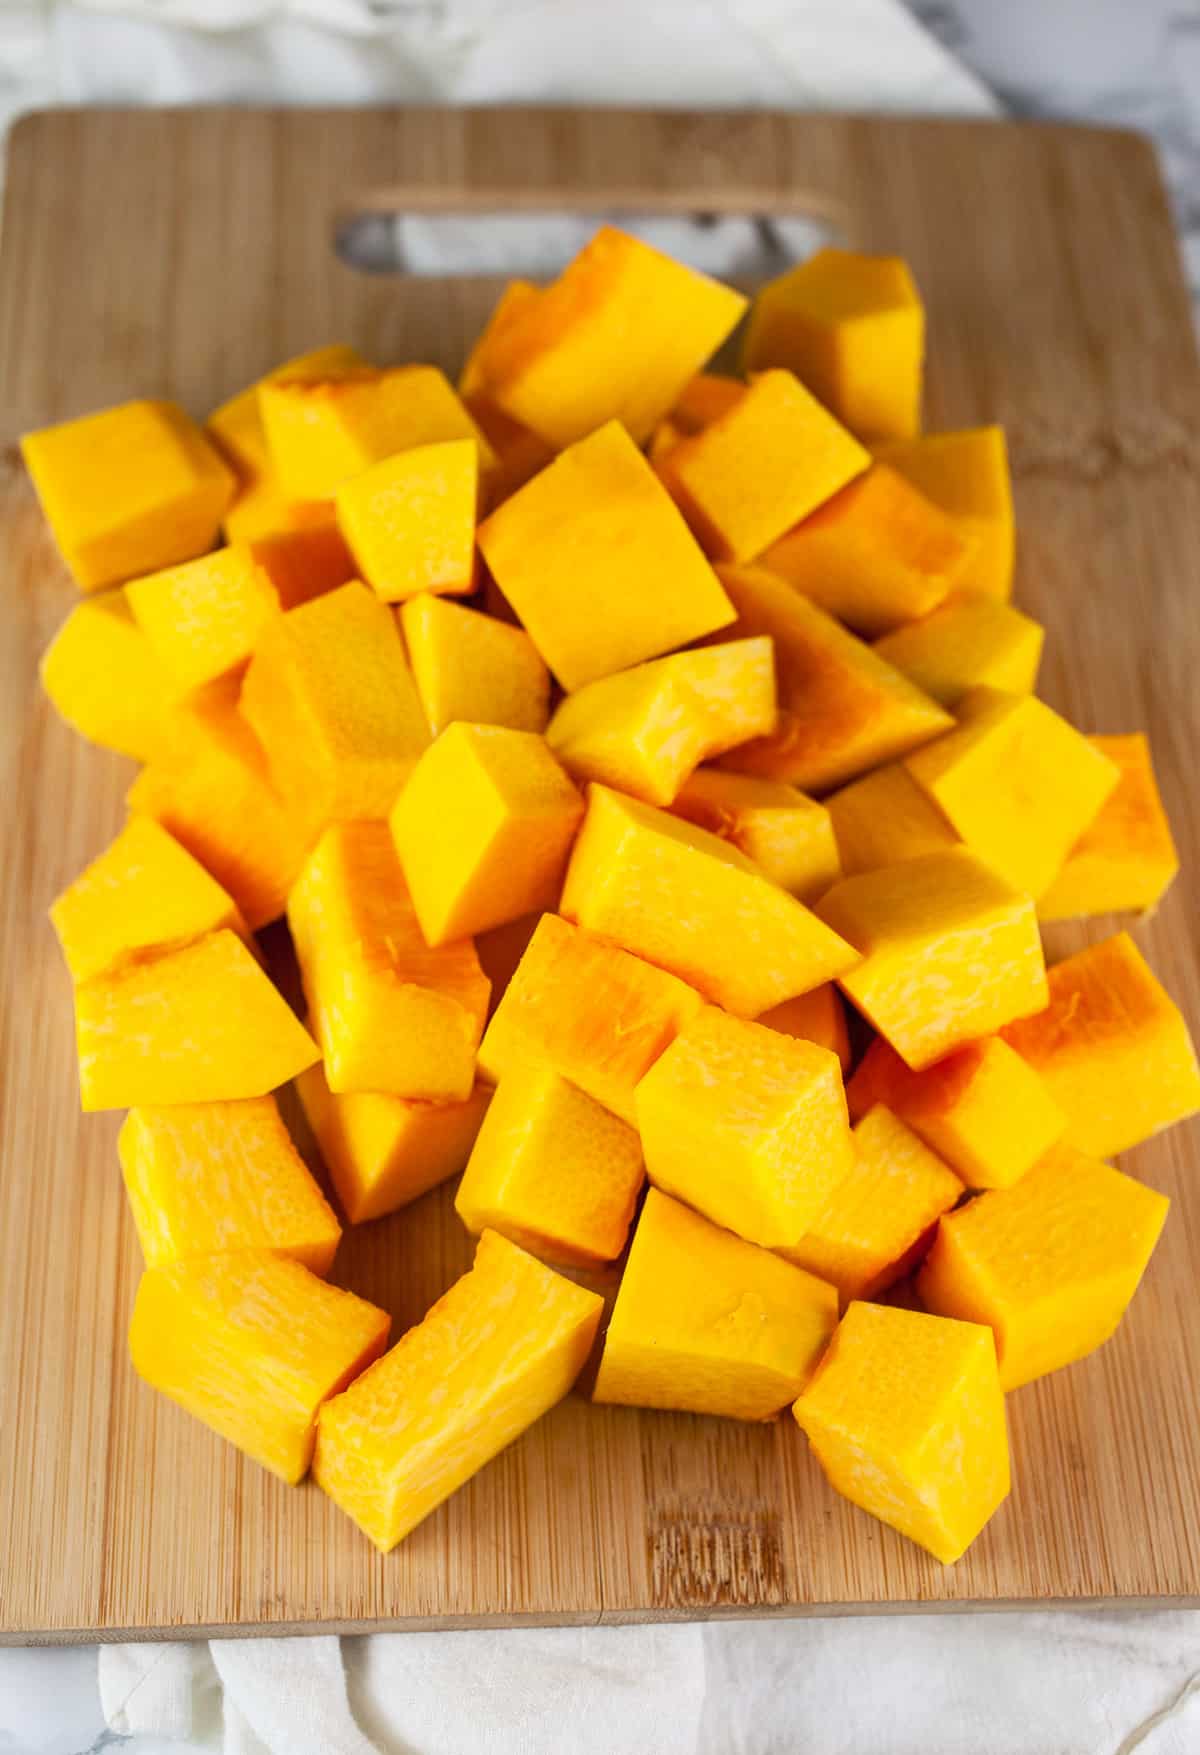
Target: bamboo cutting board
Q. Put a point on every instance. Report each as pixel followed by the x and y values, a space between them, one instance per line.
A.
pixel 181 254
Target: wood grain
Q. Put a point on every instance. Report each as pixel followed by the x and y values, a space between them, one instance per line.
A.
pixel 183 253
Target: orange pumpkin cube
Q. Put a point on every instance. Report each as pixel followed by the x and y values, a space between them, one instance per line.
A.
pixel 769 460
pixel 1016 782
pixel 252 1344
pixel 852 327
pixel 391 1014
pixel 746 1125
pixel 470 666
pixel 383 1152
pixel 885 818
pixel 1050 1265
pixel 966 641
pixel 594 1013
pixel 206 1178
pixel 616 337
pixel 983 1109
pixel 876 555
pixel 966 474
pixel 236 426
pixel 128 490
pixel 410 520
pixel 645 729
pixel 690 902
pixel 1125 858
pixel 494 1354
pixel 598 563
pixel 905 1415
pixel 552 1170
pixel 875 1224
pixel 949 952
pixel 331 699
pixel 1112 1048
pixel 201 1024
pixel 518 296
pixel 819 1016
pixel 483 829
pixel 788 835
pixel 709 1323
pixel 203 617
pixel 104 678
pixel 842 709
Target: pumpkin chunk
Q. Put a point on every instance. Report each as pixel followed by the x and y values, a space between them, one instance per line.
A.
pixel 203 617
pixel 842 709
pixel 483 829
pixel 198 1025
pixel 788 835
pixel 410 520
pixel 552 1170
pixel 1126 858
pixel 470 666
pixel 128 490
pixel 237 425
pixel 391 1014
pixel 503 1345
pixel 105 679
pixel 746 1125
pixel 708 1323
pixel 967 641
pixel 874 1225
pixel 819 1016
pixel 966 474
pixel 905 1415
pixel 594 1013
pixel 598 564
pixel 383 1152
pixel 645 729
pixel 252 1344
pixel 1049 1265
pixel 886 818
pixel 1112 1048
pixel 949 952
pixel 852 327
pixel 685 899
pixel 205 1178
pixel 983 1109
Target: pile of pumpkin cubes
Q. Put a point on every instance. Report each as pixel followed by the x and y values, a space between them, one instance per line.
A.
pixel 602 727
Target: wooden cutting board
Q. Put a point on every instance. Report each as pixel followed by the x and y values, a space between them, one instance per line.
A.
pixel 182 254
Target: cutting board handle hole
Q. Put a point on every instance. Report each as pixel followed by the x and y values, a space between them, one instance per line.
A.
pixel 534 245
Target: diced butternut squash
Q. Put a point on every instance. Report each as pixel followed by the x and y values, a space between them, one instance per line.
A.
pixel 331 698
pixel 252 1344
pixel 145 894
pixel 105 679
pixel 128 490
pixel 1016 782
pixel 206 1178
pixel 693 904
pixel 237 426
pixel 842 709
pixel 876 555
pixel 410 520
pixel 500 952
pixel 703 399
pixel 383 1152
pixel 211 790
pixel 598 563
pixel 391 1014
pixel 746 1125
pixel 470 666
pixel 949 952
pixel 645 729
pixel 875 1224
pixel 966 641
pixel 819 1016
pixel 616 337
pixel 597 1015
pixel 552 1170
pixel 886 818
pixel 1049 1265
pixel 966 474
pixel 1126 858
pixel 905 1415
pixel 518 296
pixel 983 1109
pixel 769 460
pixel 322 431
pixel 1112 1048
pixel 788 835
pixel 852 327
pixel 708 1323
pixel 483 829
pixel 202 1024
pixel 204 617
pixel 503 1345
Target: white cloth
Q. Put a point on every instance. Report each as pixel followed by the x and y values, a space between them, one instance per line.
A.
pixel 974 1685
